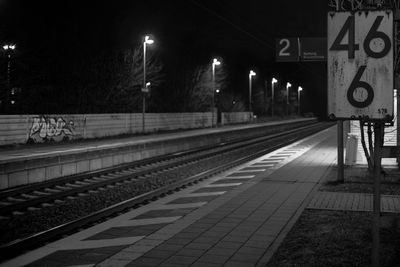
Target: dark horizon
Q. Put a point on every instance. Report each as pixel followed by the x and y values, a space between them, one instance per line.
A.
pixel 61 35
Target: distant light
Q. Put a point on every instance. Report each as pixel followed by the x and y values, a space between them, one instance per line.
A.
pixel 9 46
pixel 147 40
pixel 12 102
pixel 274 80
pixel 216 62
pixel 252 73
pixel 288 85
pixel 300 89
pixel 217 91
pixel 148 84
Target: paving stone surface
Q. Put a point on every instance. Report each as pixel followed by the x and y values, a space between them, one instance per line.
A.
pixel 353 202
pixel 239 232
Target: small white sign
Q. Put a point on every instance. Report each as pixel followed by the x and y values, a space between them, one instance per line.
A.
pixel 360 65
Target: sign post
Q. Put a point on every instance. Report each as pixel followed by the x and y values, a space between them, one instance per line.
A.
pixel 360 81
pixel 340 152
pixel 378 143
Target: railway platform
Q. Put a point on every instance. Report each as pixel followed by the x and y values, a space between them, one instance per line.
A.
pixel 23 165
pixel 236 218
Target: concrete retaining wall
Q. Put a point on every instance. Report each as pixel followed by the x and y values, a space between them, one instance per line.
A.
pixel 21 129
pixel 235 117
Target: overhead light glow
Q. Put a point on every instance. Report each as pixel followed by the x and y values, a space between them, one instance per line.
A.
pixel 216 62
pixel 9 46
pixel 147 40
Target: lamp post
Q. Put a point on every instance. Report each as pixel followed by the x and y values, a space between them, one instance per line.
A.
pixel 145 88
pixel 272 95
pixel 251 74
pixel 299 89
pixel 8 48
pixel 215 62
pixel 287 98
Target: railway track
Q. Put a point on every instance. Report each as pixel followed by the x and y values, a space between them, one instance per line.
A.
pixel 15 202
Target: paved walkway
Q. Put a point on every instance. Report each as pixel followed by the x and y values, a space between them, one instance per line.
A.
pixel 236 219
pixel 353 202
pixel 236 229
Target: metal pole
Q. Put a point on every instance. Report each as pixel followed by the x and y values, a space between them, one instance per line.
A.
pixel 397 100
pixel 340 173
pixel 298 97
pixel 397 123
pixel 287 100
pixel 377 194
pixel 144 86
pixel 250 92
pixel 9 70
pixel 213 92
pixel 8 89
pixel 272 99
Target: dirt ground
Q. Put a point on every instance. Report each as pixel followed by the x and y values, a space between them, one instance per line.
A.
pixel 343 238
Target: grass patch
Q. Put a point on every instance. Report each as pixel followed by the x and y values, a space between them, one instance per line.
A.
pixel 343 238
pixel 335 238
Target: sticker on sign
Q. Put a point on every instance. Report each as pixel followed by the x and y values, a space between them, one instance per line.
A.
pixel 360 65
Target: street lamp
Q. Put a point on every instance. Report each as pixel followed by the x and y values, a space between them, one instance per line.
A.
pixel 299 89
pixel 287 98
pixel 215 62
pixel 274 81
pixel 145 88
pixel 251 74
pixel 9 48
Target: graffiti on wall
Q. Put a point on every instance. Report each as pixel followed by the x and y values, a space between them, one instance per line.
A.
pixel 45 129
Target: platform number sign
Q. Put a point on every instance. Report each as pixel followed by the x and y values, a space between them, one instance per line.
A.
pixel 287 49
pixel 360 65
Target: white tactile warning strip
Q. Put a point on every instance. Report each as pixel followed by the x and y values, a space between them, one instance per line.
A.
pixel 222 185
pixel 239 177
pixel 138 245
pixel 250 170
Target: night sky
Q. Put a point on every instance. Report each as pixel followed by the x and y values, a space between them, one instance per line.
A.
pixel 242 33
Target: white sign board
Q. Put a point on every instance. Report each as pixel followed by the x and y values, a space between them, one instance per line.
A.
pixel 360 65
